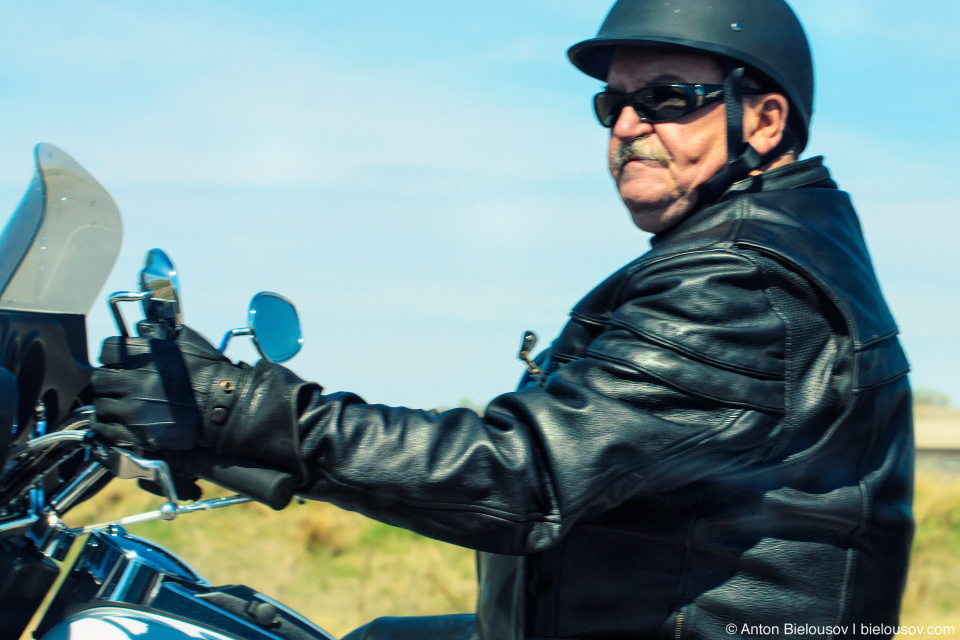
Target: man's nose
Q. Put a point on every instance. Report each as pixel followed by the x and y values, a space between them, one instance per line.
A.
pixel 629 125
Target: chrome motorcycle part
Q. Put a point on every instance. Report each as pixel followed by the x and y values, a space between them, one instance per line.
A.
pixel 40 418
pixel 213 503
pixel 274 326
pixel 24 478
pixel 113 558
pixel 167 511
pixel 143 590
pixel 79 418
pixel 51 538
pixel 127 466
pixel 159 278
pixel 227 613
pixel 18 525
pixel 124 296
pixel 72 491
pixel 118 623
pixel 147 516
pixel 270 487
pixel 239 332
pixel 159 293
pixel 47 441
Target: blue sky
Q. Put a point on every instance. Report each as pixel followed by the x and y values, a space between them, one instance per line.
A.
pixel 426 180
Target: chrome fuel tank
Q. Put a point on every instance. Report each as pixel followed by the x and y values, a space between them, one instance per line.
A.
pixel 116 623
pixel 125 587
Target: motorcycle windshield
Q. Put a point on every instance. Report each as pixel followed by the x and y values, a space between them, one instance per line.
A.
pixel 61 242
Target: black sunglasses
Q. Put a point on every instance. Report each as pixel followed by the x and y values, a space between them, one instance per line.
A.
pixel 656 103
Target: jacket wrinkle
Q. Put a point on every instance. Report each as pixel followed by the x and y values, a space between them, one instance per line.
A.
pixel 679 348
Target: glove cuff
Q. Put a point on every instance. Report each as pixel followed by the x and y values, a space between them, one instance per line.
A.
pixel 263 424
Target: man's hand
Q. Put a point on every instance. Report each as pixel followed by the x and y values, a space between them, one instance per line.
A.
pixel 163 394
pixel 182 394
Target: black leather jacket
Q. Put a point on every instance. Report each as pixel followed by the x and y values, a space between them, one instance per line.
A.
pixel 723 437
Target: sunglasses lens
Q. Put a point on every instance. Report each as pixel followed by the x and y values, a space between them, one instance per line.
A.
pixel 608 106
pixel 653 104
pixel 659 103
pixel 662 103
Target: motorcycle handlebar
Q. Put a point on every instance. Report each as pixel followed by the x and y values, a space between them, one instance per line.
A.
pixel 268 486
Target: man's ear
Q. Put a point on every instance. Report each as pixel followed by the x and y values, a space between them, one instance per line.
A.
pixel 764 119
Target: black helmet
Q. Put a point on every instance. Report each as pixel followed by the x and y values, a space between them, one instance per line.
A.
pixel 763 35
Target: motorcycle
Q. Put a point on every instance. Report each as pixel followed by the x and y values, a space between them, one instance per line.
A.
pixel 55 254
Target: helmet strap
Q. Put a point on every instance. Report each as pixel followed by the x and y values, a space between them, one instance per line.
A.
pixel 733 101
pixel 742 158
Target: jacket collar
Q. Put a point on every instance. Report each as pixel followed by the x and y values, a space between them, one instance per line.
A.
pixel 796 175
pixel 809 173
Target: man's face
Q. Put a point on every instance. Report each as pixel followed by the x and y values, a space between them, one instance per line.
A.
pixel 658 167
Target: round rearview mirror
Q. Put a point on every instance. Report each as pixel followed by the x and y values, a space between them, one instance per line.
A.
pixel 275 326
pixel 159 278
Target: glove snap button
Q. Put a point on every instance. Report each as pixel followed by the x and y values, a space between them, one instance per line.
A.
pixel 218 415
pixel 227 386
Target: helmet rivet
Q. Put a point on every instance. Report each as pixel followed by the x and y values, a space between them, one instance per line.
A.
pixel 736 26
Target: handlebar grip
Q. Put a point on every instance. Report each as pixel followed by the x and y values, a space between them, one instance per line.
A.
pixel 268 486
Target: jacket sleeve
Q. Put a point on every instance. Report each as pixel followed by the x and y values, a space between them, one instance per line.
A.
pixel 684 382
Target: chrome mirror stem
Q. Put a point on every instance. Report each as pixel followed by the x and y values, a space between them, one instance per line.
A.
pixel 124 296
pixel 233 333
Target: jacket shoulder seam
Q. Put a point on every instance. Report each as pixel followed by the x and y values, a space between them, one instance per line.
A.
pixel 733 252
pixel 674 385
pixel 679 348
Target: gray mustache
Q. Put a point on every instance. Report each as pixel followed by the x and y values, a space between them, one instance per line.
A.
pixel 643 149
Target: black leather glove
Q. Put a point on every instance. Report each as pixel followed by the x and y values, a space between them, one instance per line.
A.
pixel 144 397
pixel 183 393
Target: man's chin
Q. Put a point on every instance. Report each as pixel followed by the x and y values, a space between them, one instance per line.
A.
pixel 657 217
pixel 649 222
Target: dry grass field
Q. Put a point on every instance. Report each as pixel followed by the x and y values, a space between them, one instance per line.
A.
pixel 341 570
pixel 335 567
pixel 932 596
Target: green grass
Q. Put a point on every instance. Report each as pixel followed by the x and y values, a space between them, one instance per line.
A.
pixel 341 569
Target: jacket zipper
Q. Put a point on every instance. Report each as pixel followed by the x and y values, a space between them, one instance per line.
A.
pixel 677 626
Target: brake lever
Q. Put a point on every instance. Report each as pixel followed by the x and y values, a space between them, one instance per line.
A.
pixel 127 466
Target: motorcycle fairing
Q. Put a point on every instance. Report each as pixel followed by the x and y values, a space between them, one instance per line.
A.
pixel 61 242
pixel 56 252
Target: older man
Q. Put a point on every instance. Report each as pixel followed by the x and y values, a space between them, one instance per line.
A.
pixel 717 444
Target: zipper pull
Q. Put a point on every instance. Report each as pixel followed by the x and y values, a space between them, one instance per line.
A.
pixel 527 345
